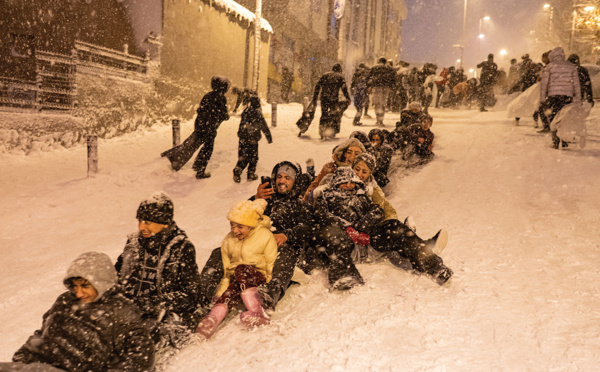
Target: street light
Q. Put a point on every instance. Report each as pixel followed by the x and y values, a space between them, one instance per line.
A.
pixel 462 42
pixel 586 8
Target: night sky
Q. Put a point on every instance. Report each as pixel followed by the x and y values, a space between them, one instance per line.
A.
pixel 433 26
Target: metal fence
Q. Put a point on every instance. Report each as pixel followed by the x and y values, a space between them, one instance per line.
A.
pixel 55 84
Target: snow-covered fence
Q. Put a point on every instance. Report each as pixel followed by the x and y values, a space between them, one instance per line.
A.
pixel 55 86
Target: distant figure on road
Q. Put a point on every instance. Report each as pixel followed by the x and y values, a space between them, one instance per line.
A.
pixel 332 108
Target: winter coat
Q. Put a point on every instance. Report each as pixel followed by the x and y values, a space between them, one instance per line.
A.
pixel 290 215
pixel 415 132
pixel 560 77
pixel 489 70
pixel 252 124
pixel 258 249
pixel 329 86
pixel 408 118
pixel 382 75
pixel 339 159
pixel 585 83
pixel 102 335
pixel 359 80
pixel 177 275
pixel 211 113
pixel 347 208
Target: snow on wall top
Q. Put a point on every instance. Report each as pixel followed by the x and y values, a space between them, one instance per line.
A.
pixel 231 6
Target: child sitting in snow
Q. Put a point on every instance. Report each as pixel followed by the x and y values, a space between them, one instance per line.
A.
pixel 248 253
pixel 419 140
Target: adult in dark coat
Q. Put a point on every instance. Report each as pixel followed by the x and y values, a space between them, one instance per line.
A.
pixel 329 86
pixel 92 327
pixel 211 113
pixel 360 90
pixel 584 79
pixel 382 81
pixel 489 71
pixel 158 271
pixel 287 78
pixel 249 133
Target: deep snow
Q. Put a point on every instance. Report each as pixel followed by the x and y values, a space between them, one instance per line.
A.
pixel 522 219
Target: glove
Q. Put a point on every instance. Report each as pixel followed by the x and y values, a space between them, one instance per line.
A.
pixel 359 238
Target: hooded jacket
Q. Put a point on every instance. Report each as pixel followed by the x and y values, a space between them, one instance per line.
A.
pixel 258 249
pixel 253 123
pixel 339 160
pixel 289 213
pixel 213 107
pixel 560 77
pixel 105 334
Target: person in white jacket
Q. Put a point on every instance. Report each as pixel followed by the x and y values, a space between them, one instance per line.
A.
pixel 559 87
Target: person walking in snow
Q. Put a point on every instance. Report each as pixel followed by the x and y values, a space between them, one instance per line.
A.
pixel 559 87
pixel 382 81
pixel 360 90
pixel 397 240
pixel 248 252
pixel 158 271
pixel 211 113
pixel 489 70
pixel 585 82
pixel 332 109
pixel 249 133
pixel 91 327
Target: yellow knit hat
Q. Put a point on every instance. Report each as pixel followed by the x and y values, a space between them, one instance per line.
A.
pixel 247 212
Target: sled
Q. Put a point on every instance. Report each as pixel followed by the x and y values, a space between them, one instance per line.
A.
pixel 525 104
pixel 306 119
pixel 569 123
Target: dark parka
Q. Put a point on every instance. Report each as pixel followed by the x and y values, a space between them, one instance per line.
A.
pixel 344 208
pixel 253 123
pixel 106 334
pixel 213 108
pixel 177 274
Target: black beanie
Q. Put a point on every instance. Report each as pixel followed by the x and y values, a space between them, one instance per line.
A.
pixel 158 208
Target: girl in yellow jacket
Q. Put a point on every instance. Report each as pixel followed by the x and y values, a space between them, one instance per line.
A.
pixel 248 253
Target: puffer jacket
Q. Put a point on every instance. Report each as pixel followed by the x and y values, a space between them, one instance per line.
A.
pixel 106 334
pixel 258 249
pixel 560 77
pixel 177 274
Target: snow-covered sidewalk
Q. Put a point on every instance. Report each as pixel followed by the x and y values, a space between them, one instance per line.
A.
pixel 522 219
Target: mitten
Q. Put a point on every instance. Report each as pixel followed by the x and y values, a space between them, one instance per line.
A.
pixel 363 239
pixel 352 233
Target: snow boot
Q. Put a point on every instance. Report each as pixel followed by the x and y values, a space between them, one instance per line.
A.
pixel 237 175
pixel 256 315
pixel 442 276
pixel 438 242
pixel 410 223
pixel 202 175
pixel 252 177
pixel 209 324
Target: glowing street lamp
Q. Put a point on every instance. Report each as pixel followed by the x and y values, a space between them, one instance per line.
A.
pixel 503 52
pixel 586 8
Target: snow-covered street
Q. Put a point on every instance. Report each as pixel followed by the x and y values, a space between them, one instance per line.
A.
pixel 523 243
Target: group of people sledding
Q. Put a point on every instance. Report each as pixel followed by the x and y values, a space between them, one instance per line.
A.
pixel 128 315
